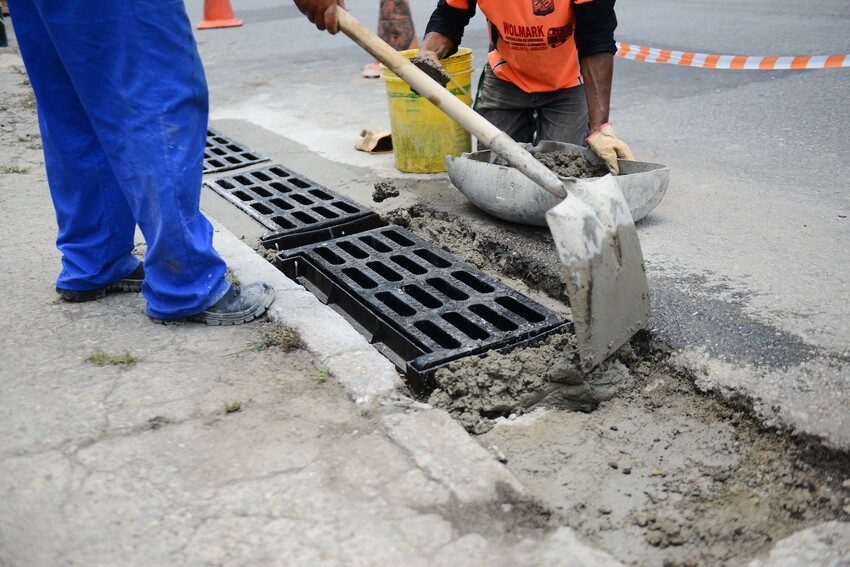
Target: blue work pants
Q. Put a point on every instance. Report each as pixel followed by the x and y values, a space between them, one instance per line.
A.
pixel 123 106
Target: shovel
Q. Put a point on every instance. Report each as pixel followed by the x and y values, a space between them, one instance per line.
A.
pixel 592 227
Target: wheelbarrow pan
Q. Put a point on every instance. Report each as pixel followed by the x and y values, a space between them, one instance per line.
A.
pixel 509 195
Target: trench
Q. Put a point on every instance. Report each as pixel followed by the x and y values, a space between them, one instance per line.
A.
pixel 633 457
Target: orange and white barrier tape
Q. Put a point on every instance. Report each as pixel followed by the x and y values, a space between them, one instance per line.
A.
pixel 714 61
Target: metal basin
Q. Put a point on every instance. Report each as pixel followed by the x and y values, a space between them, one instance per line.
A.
pixel 509 195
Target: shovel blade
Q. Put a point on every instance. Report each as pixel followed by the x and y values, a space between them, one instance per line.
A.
pixel 600 252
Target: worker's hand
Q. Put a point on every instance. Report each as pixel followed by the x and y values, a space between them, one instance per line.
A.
pixel 321 12
pixel 604 143
pixel 436 46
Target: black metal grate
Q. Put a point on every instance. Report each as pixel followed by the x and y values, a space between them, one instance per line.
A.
pixel 420 306
pixel 296 210
pixel 223 154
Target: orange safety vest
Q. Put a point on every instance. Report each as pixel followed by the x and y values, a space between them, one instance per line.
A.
pixel 535 48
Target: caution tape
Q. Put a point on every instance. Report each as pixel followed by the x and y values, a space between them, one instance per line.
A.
pixel 714 61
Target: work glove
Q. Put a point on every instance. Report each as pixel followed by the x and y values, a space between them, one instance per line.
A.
pixel 604 143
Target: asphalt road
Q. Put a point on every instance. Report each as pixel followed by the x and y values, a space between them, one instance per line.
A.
pixel 748 252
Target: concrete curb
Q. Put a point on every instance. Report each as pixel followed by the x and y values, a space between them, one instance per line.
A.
pixel 366 375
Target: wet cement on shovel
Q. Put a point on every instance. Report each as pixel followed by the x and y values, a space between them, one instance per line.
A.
pixel 431 68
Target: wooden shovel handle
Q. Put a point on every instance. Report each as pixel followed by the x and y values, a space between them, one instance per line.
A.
pixel 469 120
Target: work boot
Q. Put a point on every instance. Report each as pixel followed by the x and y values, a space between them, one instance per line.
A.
pixel 132 283
pixel 239 305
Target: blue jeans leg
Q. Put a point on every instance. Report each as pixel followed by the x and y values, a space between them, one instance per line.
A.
pixel 96 226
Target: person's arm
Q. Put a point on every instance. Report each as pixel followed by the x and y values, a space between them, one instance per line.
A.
pixel 444 31
pixel 594 36
pixel 321 12
pixel 597 71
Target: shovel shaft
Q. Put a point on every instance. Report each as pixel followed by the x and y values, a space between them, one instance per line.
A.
pixel 468 119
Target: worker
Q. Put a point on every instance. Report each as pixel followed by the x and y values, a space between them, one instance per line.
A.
pixel 122 107
pixel 549 70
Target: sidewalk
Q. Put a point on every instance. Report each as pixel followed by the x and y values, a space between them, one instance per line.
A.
pixel 191 454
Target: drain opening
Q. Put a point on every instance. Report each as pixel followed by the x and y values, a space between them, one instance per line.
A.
pixel 321 194
pixel 360 278
pixel 261 208
pixel 422 296
pixel 304 217
pixel 345 207
pixel 396 304
pixel 409 265
pixel 243 196
pixel 432 258
pixel 375 244
pixel 518 308
pixel 495 319
pixel 329 255
pixel 353 250
pixel 328 214
pixel 437 334
pixel 447 289
pixel 384 271
pixel 282 222
pixel 466 326
pixel 278 202
pixel 397 238
pixel 475 283
pixel 301 199
pixel 262 192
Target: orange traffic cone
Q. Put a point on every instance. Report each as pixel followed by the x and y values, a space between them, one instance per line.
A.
pixel 218 14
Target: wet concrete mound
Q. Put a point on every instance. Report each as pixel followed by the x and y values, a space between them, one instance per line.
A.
pixel 476 390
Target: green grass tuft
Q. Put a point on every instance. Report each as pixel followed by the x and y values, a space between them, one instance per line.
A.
pixel 101 358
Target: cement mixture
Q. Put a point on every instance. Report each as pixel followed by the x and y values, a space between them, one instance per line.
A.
pixel 475 389
pixel 566 165
pixel 658 473
pixel 384 190
pixel 431 68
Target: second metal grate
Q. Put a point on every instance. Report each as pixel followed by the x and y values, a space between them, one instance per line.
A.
pixel 295 210
pixel 223 154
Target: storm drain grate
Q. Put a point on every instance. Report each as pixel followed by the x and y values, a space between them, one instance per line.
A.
pixel 223 154
pixel 419 305
pixel 296 210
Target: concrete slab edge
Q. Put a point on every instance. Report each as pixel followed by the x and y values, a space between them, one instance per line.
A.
pixel 763 394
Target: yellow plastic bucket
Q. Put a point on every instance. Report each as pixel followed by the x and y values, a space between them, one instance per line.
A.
pixel 422 134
